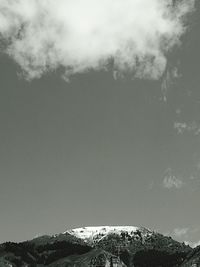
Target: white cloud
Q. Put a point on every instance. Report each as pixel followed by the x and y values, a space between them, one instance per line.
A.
pixel 196 244
pixel 187 233
pixel 171 181
pixel 192 244
pixel 181 127
pixel 191 127
pixel 133 36
pixel 179 232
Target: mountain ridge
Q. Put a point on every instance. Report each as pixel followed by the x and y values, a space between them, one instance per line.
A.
pixel 94 234
pixel 105 246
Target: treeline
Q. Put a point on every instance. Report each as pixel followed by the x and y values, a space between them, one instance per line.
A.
pixel 156 258
pixel 26 252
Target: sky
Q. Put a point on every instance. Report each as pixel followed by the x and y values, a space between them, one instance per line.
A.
pixel 99 120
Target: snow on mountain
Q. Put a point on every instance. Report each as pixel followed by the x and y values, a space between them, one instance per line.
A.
pixel 96 233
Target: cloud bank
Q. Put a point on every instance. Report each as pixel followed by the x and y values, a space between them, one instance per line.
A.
pixel 129 36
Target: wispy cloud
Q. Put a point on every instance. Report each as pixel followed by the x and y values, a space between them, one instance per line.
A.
pixel 191 127
pixel 180 232
pixel 171 181
pixel 186 234
pixel 132 36
pixel 168 81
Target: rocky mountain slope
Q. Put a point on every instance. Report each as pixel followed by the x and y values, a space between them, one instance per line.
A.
pixel 193 258
pixel 98 247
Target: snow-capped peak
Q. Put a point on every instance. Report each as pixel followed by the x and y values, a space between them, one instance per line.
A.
pixel 98 232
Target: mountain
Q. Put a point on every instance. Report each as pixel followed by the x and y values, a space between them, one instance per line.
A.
pixel 193 258
pixel 103 246
pixel 93 234
pixel 134 245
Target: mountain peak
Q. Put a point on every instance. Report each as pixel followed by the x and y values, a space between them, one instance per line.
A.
pixel 96 233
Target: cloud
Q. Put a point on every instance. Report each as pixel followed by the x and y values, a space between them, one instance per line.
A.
pixel 168 80
pixel 192 244
pixel 179 232
pixel 196 244
pixel 192 127
pixel 185 233
pixel 171 181
pixel 75 36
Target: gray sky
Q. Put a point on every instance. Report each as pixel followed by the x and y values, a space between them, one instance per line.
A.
pixel 102 151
